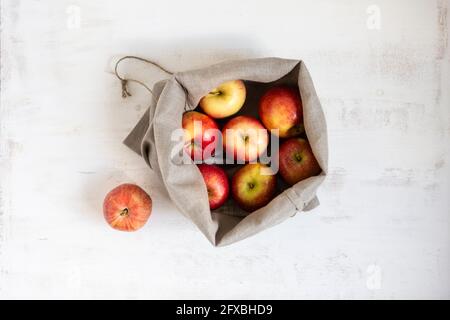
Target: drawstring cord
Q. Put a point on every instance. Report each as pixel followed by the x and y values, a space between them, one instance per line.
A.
pixel 124 81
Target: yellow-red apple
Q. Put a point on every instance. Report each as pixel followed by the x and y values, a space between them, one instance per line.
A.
pixel 253 186
pixel 127 207
pixel 225 100
pixel 281 108
pixel 216 181
pixel 297 161
pixel 244 138
pixel 200 132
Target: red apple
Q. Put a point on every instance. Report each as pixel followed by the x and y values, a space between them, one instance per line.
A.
pixel 127 207
pixel 281 108
pixel 217 185
pixel 244 138
pixel 225 100
pixel 253 186
pixel 200 133
pixel 297 161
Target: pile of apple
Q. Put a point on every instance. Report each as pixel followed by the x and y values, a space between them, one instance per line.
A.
pixel 280 113
pixel 128 207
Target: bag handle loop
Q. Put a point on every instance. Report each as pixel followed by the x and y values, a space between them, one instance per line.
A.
pixel 124 81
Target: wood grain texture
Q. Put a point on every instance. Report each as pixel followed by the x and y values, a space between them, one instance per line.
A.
pixel 383 227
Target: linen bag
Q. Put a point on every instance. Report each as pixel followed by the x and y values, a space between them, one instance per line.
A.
pixel 151 138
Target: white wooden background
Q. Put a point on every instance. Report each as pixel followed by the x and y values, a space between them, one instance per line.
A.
pixel 381 69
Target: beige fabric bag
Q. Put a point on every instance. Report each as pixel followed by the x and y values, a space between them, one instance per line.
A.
pixel 151 138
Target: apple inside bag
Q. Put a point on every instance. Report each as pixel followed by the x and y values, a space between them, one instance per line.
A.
pixel 233 200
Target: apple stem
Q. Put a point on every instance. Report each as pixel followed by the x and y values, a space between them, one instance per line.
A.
pixel 215 93
pixel 124 212
pixel 296 130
